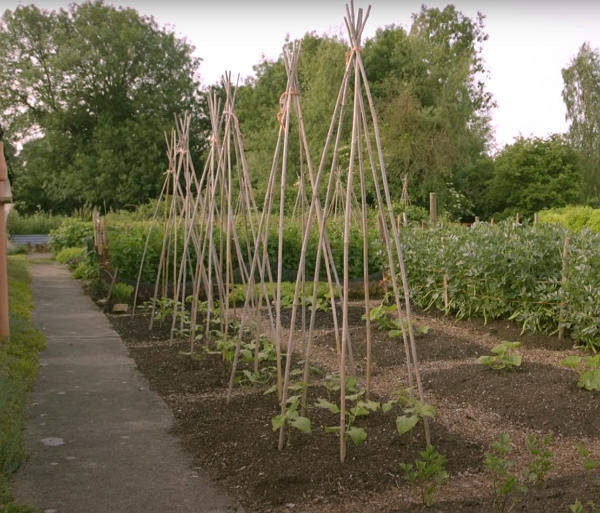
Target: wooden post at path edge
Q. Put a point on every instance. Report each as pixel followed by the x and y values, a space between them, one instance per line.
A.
pixel 5 198
pixel 433 209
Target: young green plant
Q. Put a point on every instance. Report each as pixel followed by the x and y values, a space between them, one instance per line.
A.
pixel 504 357
pixel 541 463
pixel 428 472
pixel 589 377
pixel 506 485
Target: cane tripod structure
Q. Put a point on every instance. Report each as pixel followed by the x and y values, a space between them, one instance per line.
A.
pixel 215 235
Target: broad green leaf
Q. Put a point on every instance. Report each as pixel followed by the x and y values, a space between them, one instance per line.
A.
pixel 278 421
pixel 270 390
pixel 350 383
pixel 357 435
pixel 395 333
pixel 301 423
pixel 500 349
pixel 404 424
pixel 372 405
pixel 425 410
pixel 324 403
pixel 570 361
pixel 485 360
pixel 385 407
pixel 512 360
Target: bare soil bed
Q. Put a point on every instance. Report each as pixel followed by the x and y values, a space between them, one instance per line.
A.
pixel 236 447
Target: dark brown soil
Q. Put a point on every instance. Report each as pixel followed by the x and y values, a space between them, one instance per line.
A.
pixel 235 445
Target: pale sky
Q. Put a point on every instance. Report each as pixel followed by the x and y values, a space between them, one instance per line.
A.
pixel 529 42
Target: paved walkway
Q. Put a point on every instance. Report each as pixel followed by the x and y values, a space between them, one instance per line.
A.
pixel 97 436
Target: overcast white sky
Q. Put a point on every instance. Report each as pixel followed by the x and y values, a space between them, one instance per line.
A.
pixel 530 42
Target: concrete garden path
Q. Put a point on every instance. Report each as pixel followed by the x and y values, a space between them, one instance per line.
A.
pixel 97 436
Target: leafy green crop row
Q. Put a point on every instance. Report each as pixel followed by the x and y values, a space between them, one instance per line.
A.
pixel 508 272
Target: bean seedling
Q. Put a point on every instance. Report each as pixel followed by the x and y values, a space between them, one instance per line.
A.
pixel 541 463
pixel 291 418
pixel 504 357
pixel 589 378
pixel 413 409
pixel 506 486
pixel 429 472
pixel 360 408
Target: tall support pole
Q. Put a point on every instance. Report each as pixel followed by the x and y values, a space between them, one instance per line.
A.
pixel 5 199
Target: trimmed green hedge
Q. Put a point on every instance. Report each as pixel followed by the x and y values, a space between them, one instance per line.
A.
pixel 573 218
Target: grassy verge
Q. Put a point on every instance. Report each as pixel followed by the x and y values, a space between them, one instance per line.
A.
pixel 18 367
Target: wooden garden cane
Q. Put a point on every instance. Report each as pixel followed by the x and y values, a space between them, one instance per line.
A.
pixel 5 199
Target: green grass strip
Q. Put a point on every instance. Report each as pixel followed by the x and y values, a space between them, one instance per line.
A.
pixel 18 368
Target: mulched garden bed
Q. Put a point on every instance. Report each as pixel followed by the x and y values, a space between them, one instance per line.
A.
pixel 236 447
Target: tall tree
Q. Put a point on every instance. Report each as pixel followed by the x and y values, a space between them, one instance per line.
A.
pixel 90 92
pixel 581 94
pixel 435 109
pixel 533 174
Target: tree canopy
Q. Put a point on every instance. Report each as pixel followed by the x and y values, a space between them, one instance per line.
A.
pixel 427 83
pixel 89 92
pixel 581 94
pixel 533 174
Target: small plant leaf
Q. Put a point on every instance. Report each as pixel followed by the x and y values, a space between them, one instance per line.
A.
pixel 512 360
pixel 277 422
pixel 372 405
pixel 324 403
pixel 485 360
pixel 357 435
pixel 270 390
pixel 404 424
pixel 570 361
pixel 301 423
pixel 385 407
pixel 395 333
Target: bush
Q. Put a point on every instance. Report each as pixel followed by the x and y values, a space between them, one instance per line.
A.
pixel 70 234
pixel 71 257
pixel 573 218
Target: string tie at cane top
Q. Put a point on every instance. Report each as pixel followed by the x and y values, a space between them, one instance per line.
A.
pixel 292 92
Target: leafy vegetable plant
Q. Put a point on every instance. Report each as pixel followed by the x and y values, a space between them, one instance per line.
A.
pixel 578 507
pixel 588 464
pixel 589 378
pixel 359 408
pixel 291 419
pixel 542 459
pixel 506 486
pixel 504 356
pixel 413 409
pixel 429 472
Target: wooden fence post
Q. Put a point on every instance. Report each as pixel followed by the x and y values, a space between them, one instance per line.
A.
pixel 433 209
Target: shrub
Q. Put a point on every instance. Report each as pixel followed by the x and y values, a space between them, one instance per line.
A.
pixel 70 234
pixel 71 257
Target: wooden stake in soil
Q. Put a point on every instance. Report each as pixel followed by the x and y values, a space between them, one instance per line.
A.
pixel 563 281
